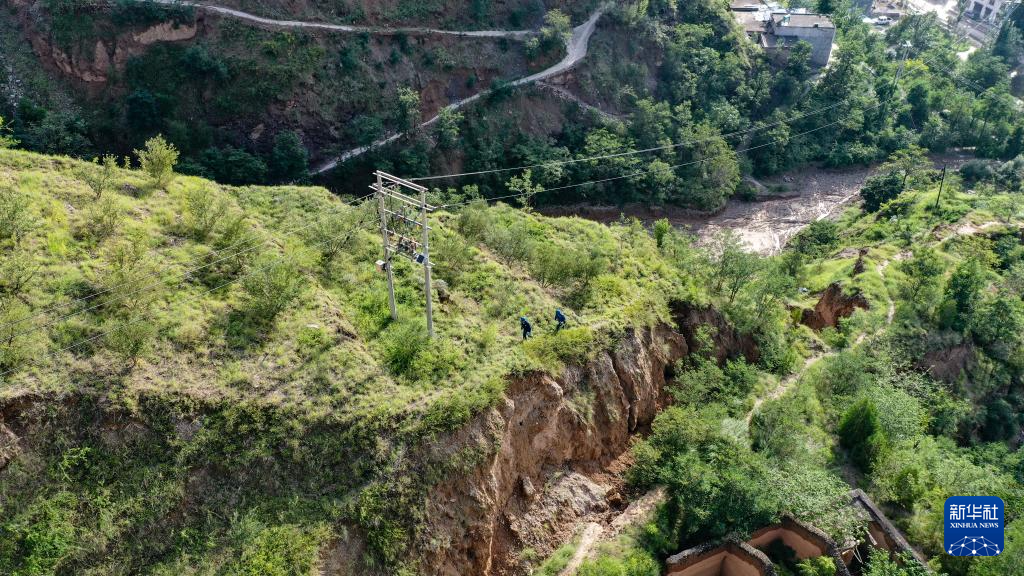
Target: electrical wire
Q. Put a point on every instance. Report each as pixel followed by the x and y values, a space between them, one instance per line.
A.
pixel 646 172
pixel 634 152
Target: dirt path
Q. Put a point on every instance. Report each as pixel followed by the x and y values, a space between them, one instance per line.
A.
pixel 594 533
pixel 591 534
pixel 576 50
pixel 788 382
pixel 249 17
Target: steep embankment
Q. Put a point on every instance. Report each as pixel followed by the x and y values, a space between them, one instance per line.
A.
pixel 555 437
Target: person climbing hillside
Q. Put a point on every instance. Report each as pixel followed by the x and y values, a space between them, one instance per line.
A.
pixel 560 319
pixel 527 328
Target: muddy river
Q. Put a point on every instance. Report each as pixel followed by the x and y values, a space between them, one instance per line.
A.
pixel 788 203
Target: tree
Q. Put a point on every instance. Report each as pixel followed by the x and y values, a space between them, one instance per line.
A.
pixel 962 291
pixel 880 189
pixel 157 160
pixel 661 181
pixel 231 165
pixel 769 145
pixel 523 186
pixel 1006 207
pixel 407 112
pixel 998 324
pixel 16 215
pixel 713 172
pixel 911 163
pixel 557 29
pixel 922 276
pixel 733 267
pixel 289 160
pixel 448 122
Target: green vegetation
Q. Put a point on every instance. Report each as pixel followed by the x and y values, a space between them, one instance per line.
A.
pixel 913 411
pixel 246 329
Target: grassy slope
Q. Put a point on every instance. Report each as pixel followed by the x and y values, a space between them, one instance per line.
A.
pixel 323 401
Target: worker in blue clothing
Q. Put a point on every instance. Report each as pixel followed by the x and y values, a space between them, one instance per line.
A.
pixel 527 328
pixel 560 319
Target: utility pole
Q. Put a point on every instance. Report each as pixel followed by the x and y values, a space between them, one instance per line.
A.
pixel 899 71
pixel 404 231
pixel 942 183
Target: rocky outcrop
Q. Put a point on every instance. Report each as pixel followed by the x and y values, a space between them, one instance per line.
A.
pixel 728 342
pixel 94 63
pixel 833 305
pixel 550 434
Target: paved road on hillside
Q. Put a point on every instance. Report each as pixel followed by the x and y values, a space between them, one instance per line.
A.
pixel 576 50
pixel 225 11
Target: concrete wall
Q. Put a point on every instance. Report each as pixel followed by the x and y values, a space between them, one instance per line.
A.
pixel 820 40
pixel 730 559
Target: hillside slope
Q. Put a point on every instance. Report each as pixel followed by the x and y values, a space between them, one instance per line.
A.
pixel 208 376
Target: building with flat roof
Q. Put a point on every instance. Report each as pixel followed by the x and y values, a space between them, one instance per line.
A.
pixel 986 10
pixel 777 31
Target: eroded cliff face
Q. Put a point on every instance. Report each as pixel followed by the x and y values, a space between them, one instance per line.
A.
pixel 552 442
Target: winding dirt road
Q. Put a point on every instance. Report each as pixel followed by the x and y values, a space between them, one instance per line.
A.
pixel 272 22
pixel 576 50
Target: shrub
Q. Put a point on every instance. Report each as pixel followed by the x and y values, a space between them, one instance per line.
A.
pixel 273 284
pixel 334 231
pixel 5 140
pixel 282 550
pixel 880 189
pixel 408 351
pixel 861 433
pixel 129 336
pixel 16 217
pixel 203 208
pixel 571 345
pixel 17 269
pixel 103 219
pixel 128 282
pixel 233 249
pixel 661 229
pixel 157 160
pixel 16 344
pixel 820 566
pixel 100 177
pixel 818 239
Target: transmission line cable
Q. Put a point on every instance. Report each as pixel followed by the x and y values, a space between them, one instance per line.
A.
pixel 646 172
pixel 634 152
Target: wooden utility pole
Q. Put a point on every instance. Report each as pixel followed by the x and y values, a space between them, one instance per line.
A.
pixel 942 183
pixel 404 232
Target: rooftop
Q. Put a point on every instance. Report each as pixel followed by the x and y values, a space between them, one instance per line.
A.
pixel 802 20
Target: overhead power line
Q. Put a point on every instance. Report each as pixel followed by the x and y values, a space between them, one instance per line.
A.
pixel 633 152
pixel 674 166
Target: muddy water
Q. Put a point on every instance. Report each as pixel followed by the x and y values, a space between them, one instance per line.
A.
pixel 788 203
